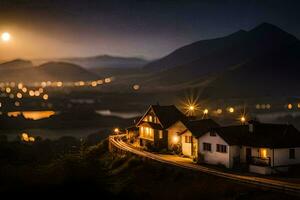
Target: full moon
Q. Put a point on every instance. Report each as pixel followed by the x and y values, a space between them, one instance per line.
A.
pixel 5 36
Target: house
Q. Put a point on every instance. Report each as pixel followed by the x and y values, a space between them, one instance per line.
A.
pixel 132 132
pixel 189 132
pixel 266 148
pixel 155 123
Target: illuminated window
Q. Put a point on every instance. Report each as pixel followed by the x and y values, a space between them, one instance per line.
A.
pixel 150 118
pixel 188 139
pixel 263 153
pixel 160 134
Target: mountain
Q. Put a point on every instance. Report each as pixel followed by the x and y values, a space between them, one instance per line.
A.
pixel 16 64
pixel 211 57
pixel 106 61
pixel 53 71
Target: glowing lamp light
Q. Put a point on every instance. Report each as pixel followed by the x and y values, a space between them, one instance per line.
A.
pixel 25 137
pixel 94 83
pixel 45 96
pixel 116 130
pixel 289 106
pixel 5 37
pixel 191 108
pixel 231 110
pixel 19 95
pixel 175 139
pixel 243 119
pixel 31 139
pixel 136 87
pixel 205 111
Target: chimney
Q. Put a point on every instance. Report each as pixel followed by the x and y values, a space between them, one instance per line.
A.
pixel 251 127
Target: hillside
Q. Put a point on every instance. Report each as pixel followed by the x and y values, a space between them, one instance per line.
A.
pixel 24 71
pixel 211 57
pixel 102 61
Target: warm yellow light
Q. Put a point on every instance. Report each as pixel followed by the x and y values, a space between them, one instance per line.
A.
pixel 43 84
pixel 19 95
pixel 219 111
pixel 116 130
pixel 8 90
pixel 263 153
pixel 20 86
pixel 107 80
pixel 231 109
pixel 290 106
pixel 24 89
pixel 45 96
pixel 191 108
pixel 59 84
pixel 25 137
pixel 37 93
pixel 31 93
pixel 205 111
pixel 94 83
pixel 41 90
pixel 5 37
pixel 175 139
pixel 100 82
pixel 136 87
pixel 243 119
pixel 31 139
pixel 17 103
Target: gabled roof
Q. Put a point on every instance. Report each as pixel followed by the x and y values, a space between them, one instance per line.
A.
pixel 263 135
pixel 167 115
pixel 200 127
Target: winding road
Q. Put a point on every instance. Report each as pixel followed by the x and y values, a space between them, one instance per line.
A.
pixel 288 187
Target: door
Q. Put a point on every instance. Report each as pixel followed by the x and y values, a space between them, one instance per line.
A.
pixel 248 155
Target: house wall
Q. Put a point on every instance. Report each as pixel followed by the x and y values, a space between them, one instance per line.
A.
pixel 186 147
pixel 214 157
pixel 174 130
pixel 281 157
pixel 189 149
pixel 234 155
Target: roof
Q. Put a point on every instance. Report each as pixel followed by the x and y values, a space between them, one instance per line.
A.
pixel 152 125
pixel 167 115
pixel 263 135
pixel 200 127
pixel 132 128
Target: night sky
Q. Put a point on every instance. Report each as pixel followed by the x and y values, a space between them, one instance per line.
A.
pixel 150 29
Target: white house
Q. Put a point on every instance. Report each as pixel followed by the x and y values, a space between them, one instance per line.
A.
pixel 266 148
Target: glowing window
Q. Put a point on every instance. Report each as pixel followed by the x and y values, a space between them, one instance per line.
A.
pixel 263 153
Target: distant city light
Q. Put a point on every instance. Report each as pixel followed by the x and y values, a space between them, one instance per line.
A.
pixel 20 86
pixel 94 83
pixel 8 90
pixel 31 93
pixel 24 89
pixel 17 103
pixel 290 106
pixel 231 109
pixel 136 87
pixel 19 95
pixel 107 80
pixel 36 93
pixel 45 96
pixel 219 111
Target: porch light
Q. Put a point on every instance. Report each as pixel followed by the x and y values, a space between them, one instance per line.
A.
pixel 116 130
pixel 175 139
pixel 205 111
pixel 243 119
